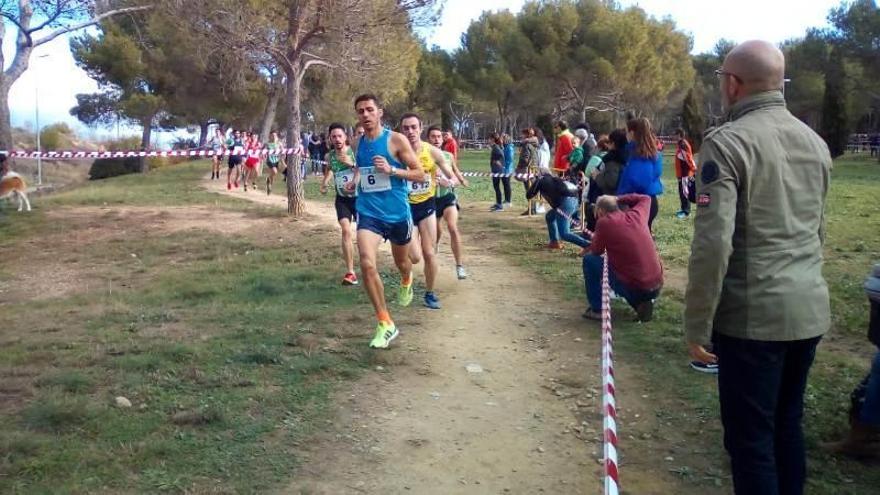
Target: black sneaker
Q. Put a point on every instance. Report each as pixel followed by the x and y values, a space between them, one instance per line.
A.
pixel 645 311
pixel 589 314
pixel 711 368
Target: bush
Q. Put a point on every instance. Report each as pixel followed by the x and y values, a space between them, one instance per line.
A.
pixel 104 168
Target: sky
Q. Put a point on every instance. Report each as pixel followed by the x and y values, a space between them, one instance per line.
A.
pixel 54 75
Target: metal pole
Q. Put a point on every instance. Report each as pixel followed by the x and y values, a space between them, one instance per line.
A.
pixel 37 114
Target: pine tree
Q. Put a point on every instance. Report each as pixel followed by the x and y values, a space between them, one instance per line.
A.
pixel 692 118
pixel 835 122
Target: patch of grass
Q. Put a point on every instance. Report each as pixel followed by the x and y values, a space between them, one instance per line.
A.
pixel 656 351
pixel 57 414
pixel 69 381
pixel 197 346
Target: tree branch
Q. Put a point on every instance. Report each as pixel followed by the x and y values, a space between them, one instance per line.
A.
pixel 90 22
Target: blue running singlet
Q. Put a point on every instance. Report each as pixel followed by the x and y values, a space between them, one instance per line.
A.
pixel 380 196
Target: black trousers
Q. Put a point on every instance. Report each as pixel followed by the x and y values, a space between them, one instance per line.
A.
pixel 685 202
pixel 761 389
pixel 496 183
pixel 655 207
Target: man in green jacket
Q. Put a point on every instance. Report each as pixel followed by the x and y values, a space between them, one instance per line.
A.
pixel 755 286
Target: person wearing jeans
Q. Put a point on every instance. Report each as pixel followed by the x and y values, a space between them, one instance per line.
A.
pixel 593 284
pixel 562 196
pixel 559 223
pixel 863 438
pixel 755 287
pixel 634 269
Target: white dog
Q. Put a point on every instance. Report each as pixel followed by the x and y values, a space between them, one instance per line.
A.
pixel 13 184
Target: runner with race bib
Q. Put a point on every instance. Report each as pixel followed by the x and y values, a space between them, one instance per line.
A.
pixel 422 204
pixel 386 161
pixel 447 202
pixel 341 167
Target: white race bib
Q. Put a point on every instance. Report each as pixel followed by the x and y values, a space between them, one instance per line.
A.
pixel 416 188
pixel 343 178
pixel 372 181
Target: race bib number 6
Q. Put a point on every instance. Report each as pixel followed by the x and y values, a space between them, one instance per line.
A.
pixel 372 181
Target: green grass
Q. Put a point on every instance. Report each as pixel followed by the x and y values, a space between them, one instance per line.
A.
pixel 656 352
pixel 206 348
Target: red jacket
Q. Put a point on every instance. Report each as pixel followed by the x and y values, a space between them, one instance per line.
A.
pixel 451 147
pixel 624 235
pixel 562 150
pixel 684 160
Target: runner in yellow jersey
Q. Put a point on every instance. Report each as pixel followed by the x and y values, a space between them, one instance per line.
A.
pixel 422 203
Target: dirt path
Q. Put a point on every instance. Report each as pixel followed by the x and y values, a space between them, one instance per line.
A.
pixel 495 393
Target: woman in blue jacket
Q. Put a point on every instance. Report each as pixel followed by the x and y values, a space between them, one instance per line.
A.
pixel 644 165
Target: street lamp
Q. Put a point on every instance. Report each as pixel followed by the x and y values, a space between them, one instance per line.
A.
pixel 37 115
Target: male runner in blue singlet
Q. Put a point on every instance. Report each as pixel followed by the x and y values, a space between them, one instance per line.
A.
pixel 386 162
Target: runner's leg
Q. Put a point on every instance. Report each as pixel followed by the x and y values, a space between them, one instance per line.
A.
pixel 415 248
pixel 347 247
pixel 368 246
pixel 451 216
pixel 427 229
pixel 401 259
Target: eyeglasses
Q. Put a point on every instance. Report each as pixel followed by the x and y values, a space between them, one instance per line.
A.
pixel 722 72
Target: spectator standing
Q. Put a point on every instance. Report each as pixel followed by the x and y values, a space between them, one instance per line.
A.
pixel 507 143
pixel 562 148
pixel 644 165
pixel 450 145
pixel 496 165
pixel 562 196
pixel 528 161
pixel 606 176
pixel 588 140
pixel 543 152
pixel 685 168
pixel 634 269
pixel 755 286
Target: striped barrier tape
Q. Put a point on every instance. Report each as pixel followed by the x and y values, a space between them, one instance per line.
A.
pixel 88 155
pixel 609 403
pixel 60 155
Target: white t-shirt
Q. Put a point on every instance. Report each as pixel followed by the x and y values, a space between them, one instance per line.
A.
pixel 544 156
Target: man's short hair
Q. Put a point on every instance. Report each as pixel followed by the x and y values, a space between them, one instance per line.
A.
pixel 334 126
pixel 434 128
pixel 410 115
pixel 563 125
pixel 607 203
pixel 680 132
pixel 367 97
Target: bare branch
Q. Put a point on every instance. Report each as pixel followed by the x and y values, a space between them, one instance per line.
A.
pixel 90 22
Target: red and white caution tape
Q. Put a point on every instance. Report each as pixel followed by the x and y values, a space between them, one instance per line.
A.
pixel 73 155
pixel 609 403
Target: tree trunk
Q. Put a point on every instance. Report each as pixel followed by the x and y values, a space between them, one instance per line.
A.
pixel 296 203
pixel 147 124
pixel 203 132
pixel 271 108
pixel 5 123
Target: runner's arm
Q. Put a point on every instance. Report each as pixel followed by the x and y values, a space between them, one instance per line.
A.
pixel 444 167
pixel 327 174
pixel 406 156
pixel 458 174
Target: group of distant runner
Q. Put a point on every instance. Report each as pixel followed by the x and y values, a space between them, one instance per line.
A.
pixel 392 186
pixel 245 162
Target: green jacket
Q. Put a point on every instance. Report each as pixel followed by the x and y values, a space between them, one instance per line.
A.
pixel 755 270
